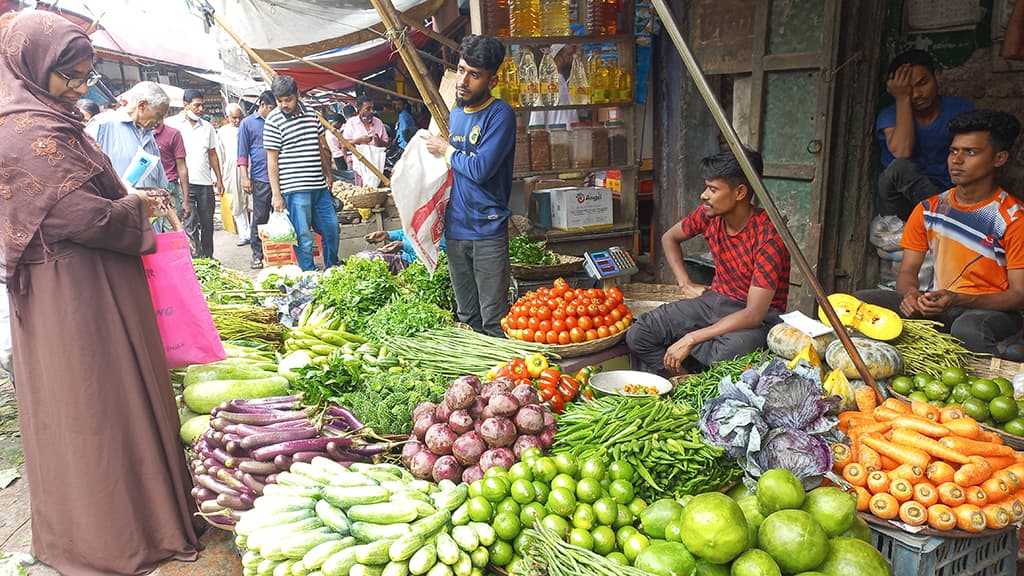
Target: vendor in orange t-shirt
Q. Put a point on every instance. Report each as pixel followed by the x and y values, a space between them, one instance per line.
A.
pixel 975 232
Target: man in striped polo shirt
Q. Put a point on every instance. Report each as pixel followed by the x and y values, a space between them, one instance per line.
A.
pixel 300 177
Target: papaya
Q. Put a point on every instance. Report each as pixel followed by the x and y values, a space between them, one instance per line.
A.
pixel 875 322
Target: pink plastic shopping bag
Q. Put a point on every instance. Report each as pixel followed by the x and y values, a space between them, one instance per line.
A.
pixel 182 314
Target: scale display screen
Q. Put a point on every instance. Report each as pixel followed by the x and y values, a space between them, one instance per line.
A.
pixel 610 263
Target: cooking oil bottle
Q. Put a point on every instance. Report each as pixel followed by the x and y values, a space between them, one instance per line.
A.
pixel 579 85
pixel 613 81
pixel 508 81
pixel 601 17
pixel 554 18
pixel 496 17
pixel 626 85
pixel 548 73
pixel 529 81
pixel 524 17
pixel 599 79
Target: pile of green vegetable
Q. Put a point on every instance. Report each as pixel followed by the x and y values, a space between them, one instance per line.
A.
pixel 356 290
pixel 925 350
pixel 436 289
pixel 339 371
pixel 660 439
pixel 522 251
pixel 406 316
pixel 454 352
pixel 247 322
pixel 223 285
pixel 697 389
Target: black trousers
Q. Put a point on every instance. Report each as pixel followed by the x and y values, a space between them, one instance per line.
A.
pixel 261 195
pixel 199 224
pixel 902 186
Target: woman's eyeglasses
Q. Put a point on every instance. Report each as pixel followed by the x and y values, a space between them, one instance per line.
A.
pixel 73 83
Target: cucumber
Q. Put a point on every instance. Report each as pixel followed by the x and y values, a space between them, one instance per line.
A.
pixel 422 486
pixel 460 517
pixel 396 569
pixel 347 497
pixel 251 559
pixel 286 490
pixel 259 538
pixel 254 520
pixel 241 540
pixel 300 569
pixel 328 466
pixel 382 475
pixel 423 560
pixel 394 484
pixel 298 545
pixel 284 568
pixel 292 479
pixel 364 570
pixel 374 553
pixel 440 569
pixel 408 494
pixel 339 563
pixel 266 567
pixel 369 532
pixel 447 549
pixel 452 498
pixel 484 532
pixel 480 557
pixel 284 503
pixel 403 548
pixel 353 479
pixel 312 472
pixel 466 538
pixel 464 565
pixel 392 469
pixel 202 397
pixel 321 552
pixel 333 517
pixel 383 513
pixel 431 524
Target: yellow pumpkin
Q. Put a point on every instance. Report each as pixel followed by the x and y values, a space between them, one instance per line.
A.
pixel 785 341
pixel 875 322
pixel 837 384
pixel 882 360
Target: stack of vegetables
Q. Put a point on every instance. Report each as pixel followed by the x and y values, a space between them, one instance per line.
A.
pixel 476 427
pixel 562 315
pixel 661 440
pixel 773 417
pixel 246 373
pixel 326 519
pixel 247 322
pixel 925 465
pixel 522 251
pixel 453 352
pixel 222 285
pixel 250 443
pixel 555 388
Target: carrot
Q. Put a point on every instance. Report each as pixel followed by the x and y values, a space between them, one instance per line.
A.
pixel 926 494
pixel 852 419
pixel 878 481
pixel 855 474
pixel 913 513
pixel 924 410
pixel 996 489
pixel 901 489
pixel 841 456
pixel 975 473
pixel 990 437
pixel 965 427
pixel 996 516
pixel 901 454
pixel 884 506
pixel 868 458
pixel 897 405
pixel 915 439
pixel 1016 509
pixel 921 425
pixel 863 498
pixel 951 494
pixel 1000 462
pixel 975 447
pixel 1017 470
pixel 940 517
pixel 888 463
pixel 948 413
pixel 884 413
pixel 869 428
pixel 1010 477
pixel 969 518
pixel 914 474
pixel 939 472
pixel 976 495
pixel 865 397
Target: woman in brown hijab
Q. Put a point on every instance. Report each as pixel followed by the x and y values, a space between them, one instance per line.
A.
pixel 106 473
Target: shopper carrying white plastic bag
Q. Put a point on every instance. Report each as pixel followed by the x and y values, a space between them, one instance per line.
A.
pixel 376 156
pixel 422 185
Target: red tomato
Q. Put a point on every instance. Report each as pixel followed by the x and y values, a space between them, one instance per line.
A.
pixel 552 337
pixel 615 314
pixel 569 294
pixel 586 323
pixel 577 335
pixel 522 322
pixel 564 338
pixel 544 325
pixel 543 312
pixel 558 325
pixel 602 309
pixel 612 329
pixel 621 325
pixel 532 323
pixel 571 322
pixel 602 332
pixel 591 335
pixel 598 321
pixel 570 310
pixel 527 335
pixel 558 313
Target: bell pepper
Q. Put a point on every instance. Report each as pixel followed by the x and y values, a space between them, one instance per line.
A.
pixel 535 364
pixel 514 370
pixel 549 376
pixel 493 372
pixel 583 375
pixel 568 387
pixel 522 382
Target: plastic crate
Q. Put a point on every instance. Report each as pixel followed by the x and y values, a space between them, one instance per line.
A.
pixel 913 555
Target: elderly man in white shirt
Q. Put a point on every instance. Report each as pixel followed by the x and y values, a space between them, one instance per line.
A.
pixel 227 136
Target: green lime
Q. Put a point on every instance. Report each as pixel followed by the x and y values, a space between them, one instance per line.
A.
pixel 544 469
pixel 755 562
pixel 777 489
pixel 541 491
pixel 621 470
pixel 530 454
pixel 606 511
pixel 622 516
pixel 952 376
pixel 621 491
pixel 561 501
pixel 666 558
pixel 520 470
pixel 637 505
pixel 495 488
pixel 604 540
pixel 976 408
pixel 674 530
pixel 623 534
pixel 592 468
pixel 1020 404
pixel 936 390
pixel 901 385
pixel 618 558
pixel 496 472
pixel 635 544
pixel 509 506
pixel 705 568
pixel 714 527
pixel 557 524
pixel 1003 408
pixel 1015 426
pixel 795 540
pixel 506 526
pixel 476 488
pixel 918 395
pixel 564 481
pixel 961 392
pixel 984 389
pixel 584 516
pixel 1005 386
pixel 480 509
pixel 522 490
pixel 567 464
pixel 589 490
pixel 920 379
pixel 522 542
pixel 500 552
pixel 582 538
pixel 532 512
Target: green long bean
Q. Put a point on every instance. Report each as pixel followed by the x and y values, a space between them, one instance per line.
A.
pixel 453 352
pixel 549 555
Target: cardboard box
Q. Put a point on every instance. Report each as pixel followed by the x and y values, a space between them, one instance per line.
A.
pixel 278 254
pixel 578 209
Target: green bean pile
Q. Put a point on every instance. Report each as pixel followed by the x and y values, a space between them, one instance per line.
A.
pixel 455 352
pixel 699 388
pixel 660 439
pixel 925 350
pixel 549 555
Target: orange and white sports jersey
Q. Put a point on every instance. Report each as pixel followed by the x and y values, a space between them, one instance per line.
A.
pixel 973 246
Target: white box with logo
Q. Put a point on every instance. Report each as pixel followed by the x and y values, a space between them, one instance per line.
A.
pixel 577 209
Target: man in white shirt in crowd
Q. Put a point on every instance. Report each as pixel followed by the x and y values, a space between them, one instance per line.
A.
pixel 227 136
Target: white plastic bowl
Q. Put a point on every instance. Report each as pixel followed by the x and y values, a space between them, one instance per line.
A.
pixel 612 382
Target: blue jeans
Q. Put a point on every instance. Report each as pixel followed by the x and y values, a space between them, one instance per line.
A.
pixel 313 208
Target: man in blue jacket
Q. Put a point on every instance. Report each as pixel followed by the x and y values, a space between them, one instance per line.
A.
pixel 480 150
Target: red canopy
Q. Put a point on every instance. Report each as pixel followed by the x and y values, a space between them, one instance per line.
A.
pixel 357 61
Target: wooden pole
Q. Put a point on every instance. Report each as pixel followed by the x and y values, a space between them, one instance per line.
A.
pixel 350 78
pixel 271 73
pixel 420 76
pixel 669 23
pixel 412 23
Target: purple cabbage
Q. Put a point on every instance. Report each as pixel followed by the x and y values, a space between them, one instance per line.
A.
pixel 805 455
pixel 733 420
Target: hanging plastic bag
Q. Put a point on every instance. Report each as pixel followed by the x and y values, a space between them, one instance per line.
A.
pixel 376 156
pixel 225 214
pixel 422 185
pixel 182 315
pixel 278 229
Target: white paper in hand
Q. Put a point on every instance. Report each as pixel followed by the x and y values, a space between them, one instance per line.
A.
pixel 805 324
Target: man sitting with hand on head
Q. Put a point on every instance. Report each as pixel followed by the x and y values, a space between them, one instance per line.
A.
pixel 732 316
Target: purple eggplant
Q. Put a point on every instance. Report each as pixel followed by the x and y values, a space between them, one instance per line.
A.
pixel 292 399
pixel 283 462
pixel 347 416
pixel 214 485
pixel 257 468
pixel 200 493
pixel 253 483
pixel 265 418
pixel 218 423
pixel 307 456
pixel 243 502
pixel 211 506
pixel 276 437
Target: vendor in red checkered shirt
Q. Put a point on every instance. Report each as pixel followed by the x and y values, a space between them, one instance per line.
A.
pixel 732 316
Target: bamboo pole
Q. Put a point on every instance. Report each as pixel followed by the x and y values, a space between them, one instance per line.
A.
pixel 271 73
pixel 668 21
pixel 420 76
pixel 412 23
pixel 349 78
